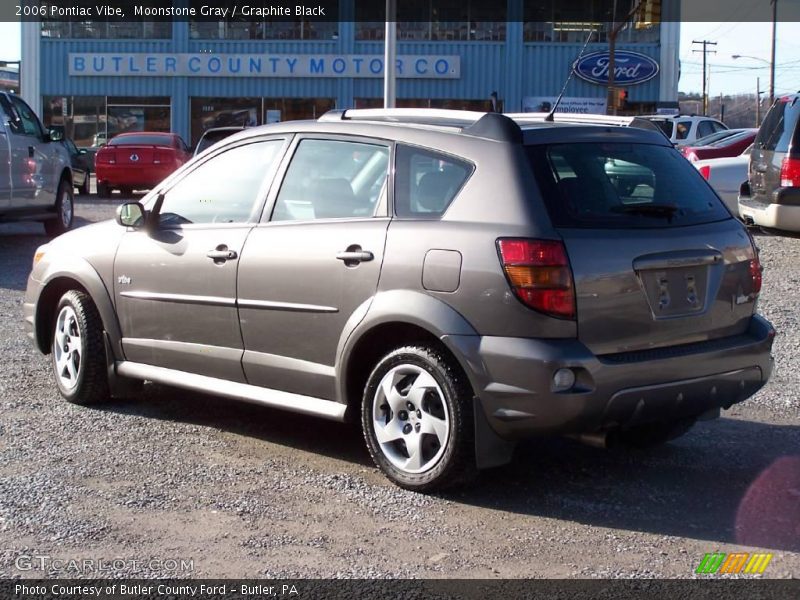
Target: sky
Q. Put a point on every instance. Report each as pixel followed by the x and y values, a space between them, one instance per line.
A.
pixel 727 75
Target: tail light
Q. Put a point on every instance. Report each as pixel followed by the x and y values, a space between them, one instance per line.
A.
pixel 705 171
pixel 790 172
pixel 539 274
pixel 108 158
pixel 755 269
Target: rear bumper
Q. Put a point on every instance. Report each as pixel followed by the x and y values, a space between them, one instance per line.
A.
pixel 770 214
pixel 144 176
pixel 513 378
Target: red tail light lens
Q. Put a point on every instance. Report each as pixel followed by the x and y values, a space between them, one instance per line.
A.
pixel 790 172
pixel 705 171
pixel 755 269
pixel 539 274
pixel 108 158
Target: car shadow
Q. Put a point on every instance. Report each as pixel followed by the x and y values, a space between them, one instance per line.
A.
pixel 727 481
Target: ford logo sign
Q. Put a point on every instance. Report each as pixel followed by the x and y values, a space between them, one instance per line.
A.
pixel 630 68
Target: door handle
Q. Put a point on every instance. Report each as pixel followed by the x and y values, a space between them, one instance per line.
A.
pixel 30 151
pixel 221 254
pixel 355 256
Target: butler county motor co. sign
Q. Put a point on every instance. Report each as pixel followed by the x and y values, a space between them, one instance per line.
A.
pixel 630 68
pixel 260 65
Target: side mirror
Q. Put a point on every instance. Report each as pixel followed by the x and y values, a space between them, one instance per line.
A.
pixel 82 151
pixel 54 135
pixel 131 214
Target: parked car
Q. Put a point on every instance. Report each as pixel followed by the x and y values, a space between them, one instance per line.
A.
pixel 214 135
pixel 138 161
pixel 713 138
pixel 726 176
pixel 771 198
pixel 81 163
pixel 685 129
pixel 730 146
pixel 36 183
pixel 352 268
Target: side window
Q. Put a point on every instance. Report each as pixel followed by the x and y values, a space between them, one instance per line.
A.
pixel 224 189
pixel 718 126
pixel 682 129
pixel 21 119
pixel 331 179
pixel 426 182
pixel 705 128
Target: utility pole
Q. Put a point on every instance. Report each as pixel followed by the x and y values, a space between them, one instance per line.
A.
pixel 772 59
pixel 758 101
pixel 705 52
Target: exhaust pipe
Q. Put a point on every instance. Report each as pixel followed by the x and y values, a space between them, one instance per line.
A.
pixel 596 440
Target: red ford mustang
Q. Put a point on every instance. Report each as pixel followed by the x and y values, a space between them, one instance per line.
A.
pixel 138 161
pixel 732 145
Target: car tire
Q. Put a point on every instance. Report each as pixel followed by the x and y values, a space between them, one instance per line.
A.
pixel 65 211
pixel 126 192
pixel 417 419
pixel 103 191
pixel 78 351
pixel 85 189
pixel 654 434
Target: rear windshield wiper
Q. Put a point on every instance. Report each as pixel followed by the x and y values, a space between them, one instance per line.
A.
pixel 648 210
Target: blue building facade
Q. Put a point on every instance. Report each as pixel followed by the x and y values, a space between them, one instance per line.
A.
pixel 186 77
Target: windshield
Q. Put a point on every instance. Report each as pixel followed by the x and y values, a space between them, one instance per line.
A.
pixel 622 185
pixel 141 140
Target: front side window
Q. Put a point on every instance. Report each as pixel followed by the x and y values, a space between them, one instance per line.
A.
pixel 21 119
pixel 427 182
pixel 332 179
pixel 224 189
pixel 622 185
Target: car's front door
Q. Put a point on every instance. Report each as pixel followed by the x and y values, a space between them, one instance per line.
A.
pixel 313 262
pixel 175 285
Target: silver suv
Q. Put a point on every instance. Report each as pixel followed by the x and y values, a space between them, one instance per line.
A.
pixel 455 281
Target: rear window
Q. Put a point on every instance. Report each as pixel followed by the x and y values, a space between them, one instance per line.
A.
pixel 665 126
pixel 622 185
pixel 141 140
pixel 779 125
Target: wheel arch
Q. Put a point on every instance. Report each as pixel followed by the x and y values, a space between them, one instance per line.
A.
pixel 391 320
pixel 72 274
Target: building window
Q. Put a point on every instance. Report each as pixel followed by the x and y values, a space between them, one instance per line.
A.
pixel 571 22
pixel 476 105
pixel 128 29
pixel 436 20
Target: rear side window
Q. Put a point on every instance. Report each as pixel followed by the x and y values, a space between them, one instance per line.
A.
pixel 779 125
pixel 427 182
pixel 622 185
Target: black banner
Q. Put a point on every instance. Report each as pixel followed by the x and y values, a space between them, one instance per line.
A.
pixel 460 589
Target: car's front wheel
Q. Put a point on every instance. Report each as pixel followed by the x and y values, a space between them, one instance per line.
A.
pixel 84 189
pixel 78 351
pixel 65 211
pixel 417 419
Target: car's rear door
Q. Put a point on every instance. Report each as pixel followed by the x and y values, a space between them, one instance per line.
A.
pixel 658 264
pixel 313 262
pixel 175 285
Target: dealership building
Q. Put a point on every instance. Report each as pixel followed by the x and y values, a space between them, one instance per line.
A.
pixel 185 75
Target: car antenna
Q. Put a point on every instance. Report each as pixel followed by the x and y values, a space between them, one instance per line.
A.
pixel 552 112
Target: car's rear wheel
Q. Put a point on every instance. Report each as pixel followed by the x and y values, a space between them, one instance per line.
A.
pixel 103 191
pixel 65 209
pixel 78 350
pixel 126 191
pixel 417 419
pixel 654 434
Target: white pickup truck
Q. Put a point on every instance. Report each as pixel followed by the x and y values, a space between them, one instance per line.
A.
pixel 36 178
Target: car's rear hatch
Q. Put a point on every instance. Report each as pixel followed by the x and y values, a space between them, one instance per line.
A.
pixel 776 150
pixel 656 258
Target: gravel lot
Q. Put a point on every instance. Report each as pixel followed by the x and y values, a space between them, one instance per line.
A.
pixel 244 491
